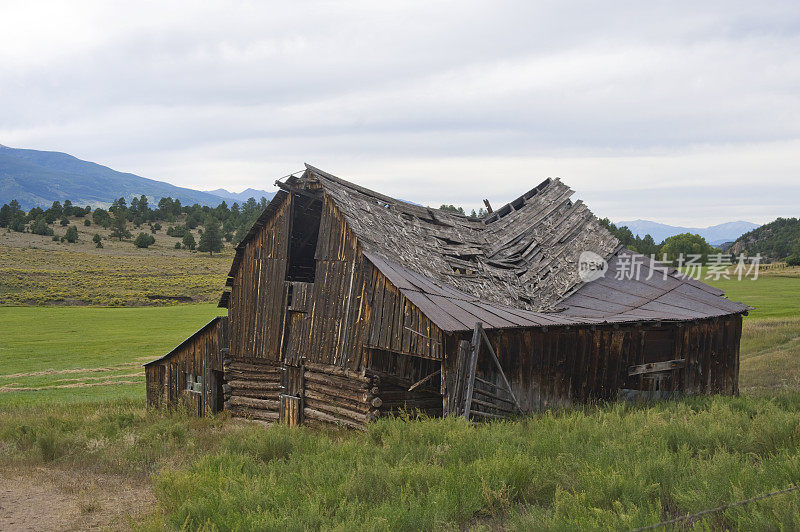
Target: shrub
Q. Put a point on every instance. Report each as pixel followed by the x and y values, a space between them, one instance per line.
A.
pixel 177 245
pixel 793 260
pixel 40 227
pixel 18 225
pixel 188 241
pixel 72 234
pixel 64 222
pixel 144 240
pixel 87 222
pixel 96 238
pixel 178 231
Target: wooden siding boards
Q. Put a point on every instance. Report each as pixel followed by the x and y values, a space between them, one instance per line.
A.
pixel 562 367
pixel 255 306
pixel 200 355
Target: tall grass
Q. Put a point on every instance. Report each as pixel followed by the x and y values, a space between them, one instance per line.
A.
pixel 608 467
pixel 614 467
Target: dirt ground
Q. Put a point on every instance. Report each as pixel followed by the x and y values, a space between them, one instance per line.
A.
pixel 48 499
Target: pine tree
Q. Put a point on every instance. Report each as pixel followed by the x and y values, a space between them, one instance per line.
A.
pixel 211 239
pixel 119 224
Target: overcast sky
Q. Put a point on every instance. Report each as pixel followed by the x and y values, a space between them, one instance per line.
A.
pixel 685 113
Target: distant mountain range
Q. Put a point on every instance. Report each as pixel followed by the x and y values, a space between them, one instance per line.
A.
pixel 714 235
pixel 38 178
pixel 241 196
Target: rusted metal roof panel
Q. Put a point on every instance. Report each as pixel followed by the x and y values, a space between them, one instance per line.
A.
pixel 623 295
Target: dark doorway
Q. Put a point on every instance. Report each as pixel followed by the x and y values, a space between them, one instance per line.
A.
pixel 306 215
pixel 217 394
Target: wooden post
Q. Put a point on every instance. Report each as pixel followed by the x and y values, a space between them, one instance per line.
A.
pixel 475 347
pixel 500 368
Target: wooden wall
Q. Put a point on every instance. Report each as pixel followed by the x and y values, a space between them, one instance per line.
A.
pixel 556 367
pixel 200 354
pixel 349 306
pixel 255 307
pixel 252 387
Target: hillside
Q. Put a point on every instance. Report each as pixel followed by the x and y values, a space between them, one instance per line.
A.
pixel 715 234
pixel 775 240
pixel 38 178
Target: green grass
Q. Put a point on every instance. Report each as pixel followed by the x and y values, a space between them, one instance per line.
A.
pixel 774 294
pixel 609 467
pixel 44 347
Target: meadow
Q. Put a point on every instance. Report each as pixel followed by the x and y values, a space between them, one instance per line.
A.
pixel 34 276
pixel 75 354
pixel 72 402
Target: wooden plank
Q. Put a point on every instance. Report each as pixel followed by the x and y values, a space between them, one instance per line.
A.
pixel 501 407
pixel 475 347
pixel 424 380
pixel 656 367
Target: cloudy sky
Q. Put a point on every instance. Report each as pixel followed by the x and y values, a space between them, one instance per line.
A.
pixel 677 112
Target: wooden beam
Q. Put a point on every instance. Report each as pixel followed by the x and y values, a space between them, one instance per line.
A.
pixel 298 191
pixel 492 395
pixel 424 380
pixel 656 367
pixel 475 347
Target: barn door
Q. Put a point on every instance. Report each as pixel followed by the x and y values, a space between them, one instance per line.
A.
pixel 294 336
pixel 657 372
pixel 290 408
pixel 479 398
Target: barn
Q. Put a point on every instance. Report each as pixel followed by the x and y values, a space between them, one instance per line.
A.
pixel 345 305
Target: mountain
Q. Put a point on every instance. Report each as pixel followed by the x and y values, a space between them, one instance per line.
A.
pixel 37 178
pixel 715 234
pixel 241 196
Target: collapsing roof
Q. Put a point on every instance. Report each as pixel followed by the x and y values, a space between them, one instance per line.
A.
pixel 517 267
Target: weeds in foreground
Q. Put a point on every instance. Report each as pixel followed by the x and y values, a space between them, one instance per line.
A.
pixel 615 466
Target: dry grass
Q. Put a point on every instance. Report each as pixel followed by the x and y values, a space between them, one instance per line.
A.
pixel 32 276
pixel 770 355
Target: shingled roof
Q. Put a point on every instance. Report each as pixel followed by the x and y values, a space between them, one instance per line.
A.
pixel 517 267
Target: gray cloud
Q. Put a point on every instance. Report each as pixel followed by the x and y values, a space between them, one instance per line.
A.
pixel 431 101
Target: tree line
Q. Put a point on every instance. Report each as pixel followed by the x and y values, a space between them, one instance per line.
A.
pixel 217 224
pixel 672 248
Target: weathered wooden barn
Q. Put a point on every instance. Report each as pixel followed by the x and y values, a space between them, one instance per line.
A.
pixel 345 304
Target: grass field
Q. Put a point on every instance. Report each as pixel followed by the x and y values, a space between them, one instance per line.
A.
pixel 72 400
pixel 67 354
pixel 774 294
